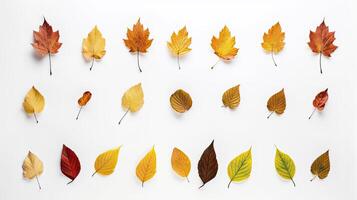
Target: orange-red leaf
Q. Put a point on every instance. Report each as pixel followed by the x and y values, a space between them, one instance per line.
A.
pixel 321 41
pixel 320 100
pixel 45 40
pixel 85 98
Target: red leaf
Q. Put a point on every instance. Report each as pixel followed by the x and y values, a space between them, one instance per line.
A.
pixel 70 165
pixel 320 100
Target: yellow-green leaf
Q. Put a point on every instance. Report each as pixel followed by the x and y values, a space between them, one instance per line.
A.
pixel 106 162
pixel 34 102
pixel 240 167
pixel 32 167
pixel 180 163
pixel 146 169
pixel 284 165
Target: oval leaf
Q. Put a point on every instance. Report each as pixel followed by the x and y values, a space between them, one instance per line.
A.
pixel 70 165
pixel 284 165
pixel 320 100
pixel 106 162
pixel 32 167
pixel 133 98
pixel 85 98
pixel 277 103
pixel 146 169
pixel 231 97
pixel 208 165
pixel 181 101
pixel 240 167
pixel 180 163
pixel 321 166
pixel 34 102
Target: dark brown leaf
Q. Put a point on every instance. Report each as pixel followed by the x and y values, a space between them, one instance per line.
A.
pixel 208 165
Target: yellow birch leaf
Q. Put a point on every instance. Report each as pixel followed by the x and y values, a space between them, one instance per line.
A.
pixel 273 41
pixel 223 46
pixel 34 102
pixel 277 103
pixel 93 47
pixel 181 101
pixel 133 99
pixel 32 167
pixel 180 163
pixel 231 97
pixel 179 44
pixel 146 168
pixel 284 165
pixel 240 167
pixel 106 162
pixel 321 166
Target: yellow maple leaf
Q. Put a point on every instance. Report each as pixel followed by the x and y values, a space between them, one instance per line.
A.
pixel 146 169
pixel 273 41
pixel 180 44
pixel 223 46
pixel 138 40
pixel 93 47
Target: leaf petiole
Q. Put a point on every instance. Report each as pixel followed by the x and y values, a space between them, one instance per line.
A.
pixel 270 114
pixel 79 112
pixel 215 64
pixel 178 61
pixel 320 63
pixel 137 58
pixel 49 59
pixel 34 114
pixel 312 113
pixel 121 119
pixel 92 64
pixel 38 183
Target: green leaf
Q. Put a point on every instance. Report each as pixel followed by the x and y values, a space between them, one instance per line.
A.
pixel 284 165
pixel 240 167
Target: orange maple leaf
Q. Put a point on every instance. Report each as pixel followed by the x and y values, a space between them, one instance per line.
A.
pixel 321 41
pixel 46 41
pixel 138 40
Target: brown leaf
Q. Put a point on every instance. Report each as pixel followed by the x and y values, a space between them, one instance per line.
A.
pixel 231 97
pixel 321 41
pixel 277 103
pixel 208 165
pixel 321 166
pixel 320 101
pixel 180 101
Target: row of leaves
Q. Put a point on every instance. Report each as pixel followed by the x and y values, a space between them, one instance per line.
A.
pixel 46 42
pixel 181 101
pixel 238 169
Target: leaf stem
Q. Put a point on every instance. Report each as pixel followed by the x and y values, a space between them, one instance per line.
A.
pixel 178 61
pixel 320 63
pixel 313 178
pixel 202 186
pixel 38 183
pixel 272 56
pixel 230 183
pixel 49 59
pixel 270 114
pixel 137 58
pixel 187 179
pixel 142 184
pixel 79 112
pixel 70 182
pixel 293 182
pixel 94 173
pixel 91 65
pixel 121 119
pixel 34 114
pixel 312 113
pixel 215 64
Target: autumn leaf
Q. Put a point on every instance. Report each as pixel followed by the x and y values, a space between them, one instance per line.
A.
pixel 181 101
pixel 321 41
pixel 138 40
pixel 208 165
pixel 93 47
pixel 46 41
pixel 321 166
pixel 273 41
pixel 32 167
pixel 240 167
pixel 179 44
pixel 83 101
pixel 180 163
pixel 70 165
pixel 223 46
pixel 146 169
pixel 319 101
pixel 284 165
pixel 231 97
pixel 34 102
pixel 106 162
pixel 132 100
pixel 277 103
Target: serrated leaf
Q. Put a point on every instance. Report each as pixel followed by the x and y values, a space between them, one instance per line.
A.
pixel 180 163
pixel 273 41
pixel 284 165
pixel 240 167
pixel 34 102
pixel 70 165
pixel 321 166
pixel 133 99
pixel 208 165
pixel 181 101
pixel 93 47
pixel 106 162
pixel 231 97
pixel 146 169
pixel 179 44
pixel 32 167
pixel 277 103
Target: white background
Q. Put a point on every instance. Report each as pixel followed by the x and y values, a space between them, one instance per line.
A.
pixel 156 123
